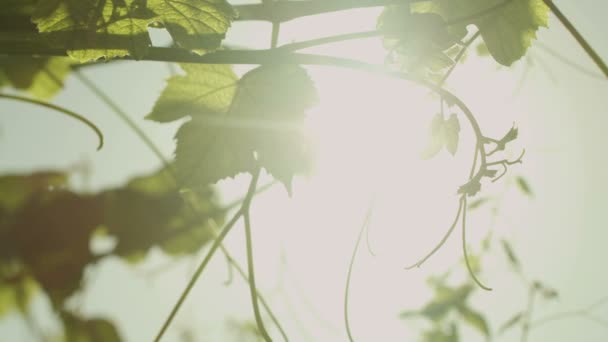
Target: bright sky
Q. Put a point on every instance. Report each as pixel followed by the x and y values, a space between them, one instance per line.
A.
pixel 370 131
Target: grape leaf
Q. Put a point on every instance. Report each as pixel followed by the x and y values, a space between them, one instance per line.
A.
pixel 41 77
pixel 507 27
pixel 93 29
pixel 195 24
pixel 442 133
pixel 475 319
pixel 204 89
pixel 261 126
pixel 419 42
pixel 96 28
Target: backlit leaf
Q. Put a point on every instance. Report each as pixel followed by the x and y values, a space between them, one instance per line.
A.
pixel 41 77
pixel 507 27
pixel 442 133
pixel 204 89
pixel 91 29
pixel 194 24
pixel 262 125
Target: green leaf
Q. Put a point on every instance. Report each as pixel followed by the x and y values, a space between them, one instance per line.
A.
pixel 442 133
pixel 523 186
pixel 513 260
pixel 16 290
pixel 445 300
pixel 41 77
pixel 475 319
pixel 205 89
pixel 93 29
pixel 149 211
pixel 88 330
pixel 507 27
pixel 420 42
pixel 96 28
pixel 15 190
pixel 195 24
pixel 478 203
pixel 439 334
pixel 452 131
pixel 51 233
pixel 261 126
pixel 511 322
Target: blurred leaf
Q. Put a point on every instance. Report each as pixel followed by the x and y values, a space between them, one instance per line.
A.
pixel 51 234
pixel 513 260
pixel 41 77
pixel 205 89
pixel 452 131
pixel 440 335
pixel 446 299
pixel 507 27
pixel 15 190
pixel 149 212
pixel 523 186
pixel 475 319
pixel 262 126
pixel 545 291
pixel 478 203
pixel 511 322
pixel 422 42
pixel 88 330
pixel 16 291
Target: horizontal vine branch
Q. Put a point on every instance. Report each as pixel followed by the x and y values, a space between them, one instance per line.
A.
pixel 282 11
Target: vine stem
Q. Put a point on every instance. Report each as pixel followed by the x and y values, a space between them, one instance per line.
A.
pixel 141 134
pixel 364 227
pixel 216 244
pixel 283 11
pixel 458 57
pixel 464 247
pixel 61 110
pixel 579 37
pixel 250 264
pixel 265 304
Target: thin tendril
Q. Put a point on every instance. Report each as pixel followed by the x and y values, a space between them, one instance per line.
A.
pixel 443 240
pixel 60 110
pixel 464 247
pixel 250 265
pixel 123 116
pixel 364 226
